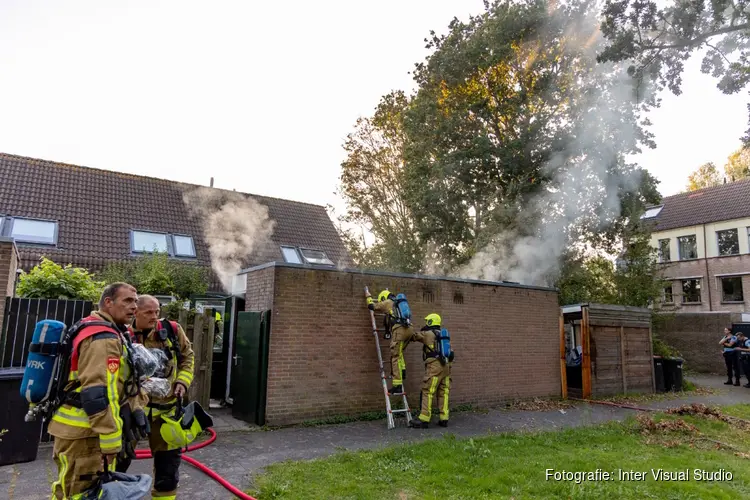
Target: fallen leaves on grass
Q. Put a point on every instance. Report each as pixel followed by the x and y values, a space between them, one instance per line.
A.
pixel 538 404
pixel 648 425
pixel 711 413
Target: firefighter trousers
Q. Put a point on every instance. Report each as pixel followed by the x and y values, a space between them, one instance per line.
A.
pixel 402 335
pixel 437 380
pixel 78 462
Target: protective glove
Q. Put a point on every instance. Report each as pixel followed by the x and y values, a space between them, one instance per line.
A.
pixel 451 356
pixel 127 423
pixel 370 304
pixel 142 427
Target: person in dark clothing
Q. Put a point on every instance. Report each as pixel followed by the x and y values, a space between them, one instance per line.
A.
pixel 742 348
pixel 728 342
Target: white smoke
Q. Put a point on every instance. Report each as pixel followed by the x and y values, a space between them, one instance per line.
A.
pixel 234 227
pixel 584 190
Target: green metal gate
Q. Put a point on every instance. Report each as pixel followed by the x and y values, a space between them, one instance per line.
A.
pixel 250 366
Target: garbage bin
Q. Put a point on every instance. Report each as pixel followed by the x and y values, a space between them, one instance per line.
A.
pixel 21 440
pixel 659 374
pixel 673 374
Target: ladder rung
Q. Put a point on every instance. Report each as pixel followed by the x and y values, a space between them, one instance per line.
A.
pixel 396 395
pixel 399 411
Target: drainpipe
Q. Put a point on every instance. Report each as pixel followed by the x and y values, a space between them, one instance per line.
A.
pixel 19 271
pixel 708 277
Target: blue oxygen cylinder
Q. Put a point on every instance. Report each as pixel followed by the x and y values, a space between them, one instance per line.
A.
pixel 404 311
pixel 42 364
pixel 444 343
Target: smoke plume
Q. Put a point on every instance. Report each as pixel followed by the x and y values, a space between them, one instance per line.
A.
pixel 587 177
pixel 234 227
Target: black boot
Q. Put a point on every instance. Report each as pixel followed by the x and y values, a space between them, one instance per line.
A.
pixel 747 385
pixel 418 424
pixel 728 382
pixel 396 389
pixel 443 423
pixel 737 383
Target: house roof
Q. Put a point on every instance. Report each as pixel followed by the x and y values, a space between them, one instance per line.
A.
pixel 714 204
pixel 96 210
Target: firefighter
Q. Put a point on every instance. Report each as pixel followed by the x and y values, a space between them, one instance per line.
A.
pixel 401 334
pixel 437 374
pixel 169 336
pixel 742 348
pixel 87 427
pixel 731 360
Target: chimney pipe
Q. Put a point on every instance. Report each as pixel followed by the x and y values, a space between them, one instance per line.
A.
pixel 212 182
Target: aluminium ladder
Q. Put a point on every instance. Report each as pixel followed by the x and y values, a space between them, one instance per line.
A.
pixel 405 410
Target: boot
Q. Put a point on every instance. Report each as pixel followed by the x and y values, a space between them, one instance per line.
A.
pixel 396 389
pixel 737 383
pixel 443 423
pixel 728 382
pixel 418 424
pixel 747 385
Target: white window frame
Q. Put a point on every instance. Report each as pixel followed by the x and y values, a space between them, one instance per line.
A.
pixel 669 249
pixel 679 247
pixel 700 290
pixel 142 252
pixel 11 227
pixel 720 287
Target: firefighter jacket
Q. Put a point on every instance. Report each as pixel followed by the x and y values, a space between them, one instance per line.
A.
pixel 180 364
pixel 428 338
pixel 99 375
pixel 386 308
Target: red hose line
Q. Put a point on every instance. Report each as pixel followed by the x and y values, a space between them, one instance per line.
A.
pixel 146 453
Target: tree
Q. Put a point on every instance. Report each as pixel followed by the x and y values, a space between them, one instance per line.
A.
pixel 659 39
pixel 738 165
pixel 157 274
pixel 48 280
pixel 516 139
pixel 637 279
pixel 587 280
pixel 372 186
pixel 707 175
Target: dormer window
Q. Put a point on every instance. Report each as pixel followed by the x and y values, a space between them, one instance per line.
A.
pixel 175 245
pixel 294 255
pixel 36 231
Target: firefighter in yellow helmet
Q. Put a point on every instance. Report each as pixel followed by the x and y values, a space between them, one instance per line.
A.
pixel 168 336
pixel 88 427
pixel 401 333
pixel 437 373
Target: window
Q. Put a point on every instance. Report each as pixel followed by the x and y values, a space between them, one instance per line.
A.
pixel 291 255
pixel 315 257
pixel 731 289
pixel 729 242
pixel 145 241
pixel 691 290
pixel 652 212
pixel 687 247
pixel 667 296
pixel 664 255
pixel 183 246
pixel 34 231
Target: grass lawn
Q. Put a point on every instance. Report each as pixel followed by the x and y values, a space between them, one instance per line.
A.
pixel 514 465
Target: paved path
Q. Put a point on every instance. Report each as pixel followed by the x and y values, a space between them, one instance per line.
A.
pixel 238 454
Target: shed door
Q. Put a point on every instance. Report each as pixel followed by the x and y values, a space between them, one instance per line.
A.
pixel 250 366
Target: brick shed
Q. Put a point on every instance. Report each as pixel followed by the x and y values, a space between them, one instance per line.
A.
pixel 322 360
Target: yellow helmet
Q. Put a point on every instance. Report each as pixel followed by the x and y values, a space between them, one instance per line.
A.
pixel 181 429
pixel 433 319
pixel 383 296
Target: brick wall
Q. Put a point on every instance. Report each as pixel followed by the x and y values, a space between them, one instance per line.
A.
pixel 259 293
pixel 322 358
pixel 696 336
pixel 717 265
pixel 8 265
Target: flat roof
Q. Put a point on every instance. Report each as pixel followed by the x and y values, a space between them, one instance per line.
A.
pixel 508 284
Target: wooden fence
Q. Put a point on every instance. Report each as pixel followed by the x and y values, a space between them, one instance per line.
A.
pixel 200 330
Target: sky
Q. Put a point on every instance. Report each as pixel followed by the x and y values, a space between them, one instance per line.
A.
pixel 258 95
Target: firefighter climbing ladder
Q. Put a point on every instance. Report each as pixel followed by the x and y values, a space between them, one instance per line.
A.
pixel 389 411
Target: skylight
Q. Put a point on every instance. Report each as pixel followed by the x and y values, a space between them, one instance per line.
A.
pixel 652 212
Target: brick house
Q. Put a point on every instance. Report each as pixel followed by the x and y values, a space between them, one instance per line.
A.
pixel 703 243
pixel 89 217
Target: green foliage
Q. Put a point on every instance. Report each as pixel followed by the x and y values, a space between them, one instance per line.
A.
pixel 157 274
pixel 738 165
pixel 660 36
pixel 707 175
pixel 372 187
pixel 587 280
pixel 48 280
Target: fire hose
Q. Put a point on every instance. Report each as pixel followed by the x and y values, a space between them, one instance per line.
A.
pixel 145 453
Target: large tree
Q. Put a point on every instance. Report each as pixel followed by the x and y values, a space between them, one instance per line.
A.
pixel 707 175
pixel 372 186
pixel 738 165
pixel 516 141
pixel 659 38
